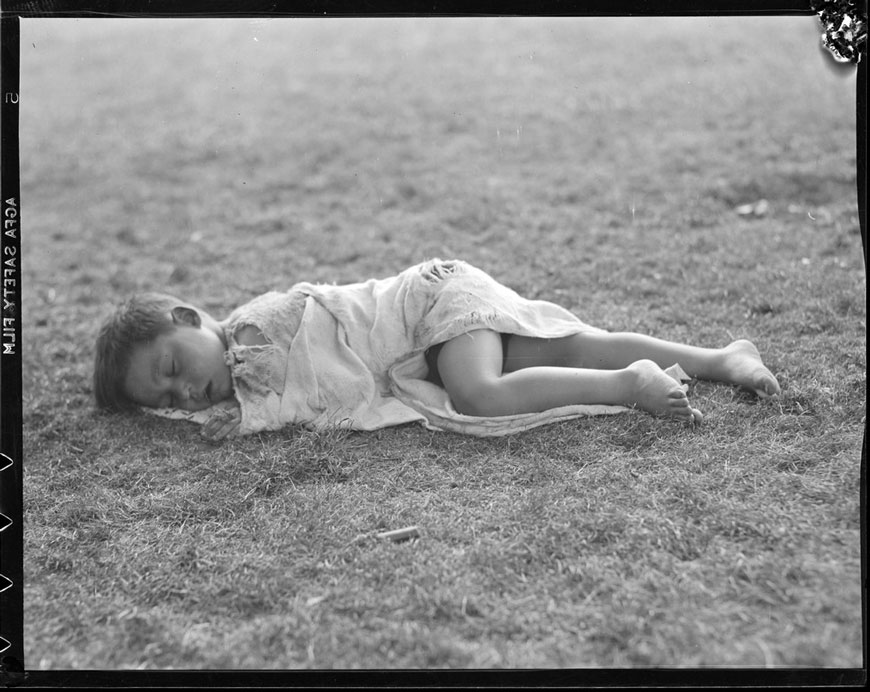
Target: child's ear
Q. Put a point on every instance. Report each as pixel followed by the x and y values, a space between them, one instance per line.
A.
pixel 185 315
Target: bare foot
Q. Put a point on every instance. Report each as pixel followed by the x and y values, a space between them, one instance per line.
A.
pixel 742 366
pixel 655 391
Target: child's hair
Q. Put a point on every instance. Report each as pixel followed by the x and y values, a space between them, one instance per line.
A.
pixel 140 319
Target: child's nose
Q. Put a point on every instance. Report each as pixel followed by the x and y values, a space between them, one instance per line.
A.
pixel 194 394
pixel 183 392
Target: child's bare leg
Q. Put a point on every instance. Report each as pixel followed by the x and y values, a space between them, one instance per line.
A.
pixel 471 369
pixel 738 363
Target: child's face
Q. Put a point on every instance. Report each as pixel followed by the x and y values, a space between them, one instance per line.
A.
pixel 183 368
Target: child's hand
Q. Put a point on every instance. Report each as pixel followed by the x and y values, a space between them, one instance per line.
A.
pixel 224 421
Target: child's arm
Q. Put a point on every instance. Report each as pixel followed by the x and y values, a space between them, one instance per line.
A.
pixel 226 419
pixel 223 422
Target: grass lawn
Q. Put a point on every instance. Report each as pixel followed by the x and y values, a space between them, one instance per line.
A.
pixel 599 164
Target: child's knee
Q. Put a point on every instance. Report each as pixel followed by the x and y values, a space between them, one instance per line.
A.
pixel 482 397
pixel 480 400
pixel 470 366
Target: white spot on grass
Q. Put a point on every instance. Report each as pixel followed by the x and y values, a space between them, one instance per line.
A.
pixel 759 208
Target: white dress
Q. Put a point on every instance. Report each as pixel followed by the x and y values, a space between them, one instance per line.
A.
pixel 353 356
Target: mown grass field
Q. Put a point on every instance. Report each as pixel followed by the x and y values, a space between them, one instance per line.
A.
pixel 595 163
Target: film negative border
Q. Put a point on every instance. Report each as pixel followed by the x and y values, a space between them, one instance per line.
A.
pixel 11 529
pixel 11 536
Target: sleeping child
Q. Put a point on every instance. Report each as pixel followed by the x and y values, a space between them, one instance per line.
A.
pixel 442 343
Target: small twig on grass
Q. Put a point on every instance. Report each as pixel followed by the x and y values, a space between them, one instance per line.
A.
pixel 398 535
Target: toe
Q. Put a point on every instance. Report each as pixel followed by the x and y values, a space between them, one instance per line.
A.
pixel 682 411
pixel 767 389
